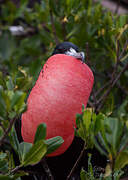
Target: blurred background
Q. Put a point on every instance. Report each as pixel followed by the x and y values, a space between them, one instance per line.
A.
pixel 29 32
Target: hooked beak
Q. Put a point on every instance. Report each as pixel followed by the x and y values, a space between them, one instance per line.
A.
pixel 81 56
pixel 78 55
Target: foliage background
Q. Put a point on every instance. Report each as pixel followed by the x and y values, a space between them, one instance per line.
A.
pixel 98 32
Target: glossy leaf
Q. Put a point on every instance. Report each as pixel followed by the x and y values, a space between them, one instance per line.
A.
pixel 35 153
pixel 40 133
pixel 121 160
pixel 24 148
pixel 113 138
pixel 53 143
pixel 14 141
pixel 18 99
pixel 2 102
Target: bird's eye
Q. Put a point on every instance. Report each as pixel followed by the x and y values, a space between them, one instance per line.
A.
pixel 61 50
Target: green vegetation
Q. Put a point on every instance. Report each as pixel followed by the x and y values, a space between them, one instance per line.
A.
pixel 103 37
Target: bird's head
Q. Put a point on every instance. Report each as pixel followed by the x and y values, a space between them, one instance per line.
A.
pixel 69 49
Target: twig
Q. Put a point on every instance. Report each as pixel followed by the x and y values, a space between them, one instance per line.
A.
pixel 113 77
pixel 102 88
pixel 46 168
pixel 124 49
pixel 2 127
pixel 117 62
pixel 89 63
pixel 53 28
pixel 115 69
pixel 76 163
pixel 103 98
pixel 33 172
pixel 122 149
pixel 108 83
pixel 119 86
pixel 15 169
pixel 87 54
pixel 64 30
pixel 91 104
pixel 7 131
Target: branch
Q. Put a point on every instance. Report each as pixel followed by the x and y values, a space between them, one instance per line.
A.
pixel 115 70
pixel 13 171
pixel 76 163
pixel 46 168
pixel 87 54
pixel 2 127
pixel 7 130
pixel 53 28
pixel 89 63
pixel 103 98
pixel 64 28
pixel 124 49
pixel 119 86
pixel 102 88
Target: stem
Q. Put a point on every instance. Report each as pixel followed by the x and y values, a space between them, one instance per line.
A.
pixel 15 169
pixel 47 170
pixel 119 86
pixel 53 28
pixel 7 130
pixel 102 88
pixel 124 49
pixel 103 98
pixel 87 54
pixel 77 162
pixel 113 165
pixel 123 148
pixel 2 127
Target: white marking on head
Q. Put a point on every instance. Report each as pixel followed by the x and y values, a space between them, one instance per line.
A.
pixel 78 55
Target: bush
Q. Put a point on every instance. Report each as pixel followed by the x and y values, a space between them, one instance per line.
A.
pixel 98 32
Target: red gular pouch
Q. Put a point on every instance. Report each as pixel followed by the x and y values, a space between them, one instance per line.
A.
pixel 63 85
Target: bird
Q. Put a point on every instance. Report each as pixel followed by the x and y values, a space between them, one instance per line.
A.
pixel 63 85
pixel 70 49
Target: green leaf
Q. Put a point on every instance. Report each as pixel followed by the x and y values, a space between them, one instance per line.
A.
pixel 53 143
pixel 85 126
pixel 24 148
pixel 109 105
pixel 87 116
pixel 90 168
pixel 35 154
pixel 99 123
pixel 100 145
pixel 9 83
pixel 14 141
pixel 72 32
pixel 121 160
pixel 18 99
pixel 83 174
pixel 40 133
pixel 7 45
pixel 3 165
pixel 2 102
pixel 116 128
pixel 122 20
